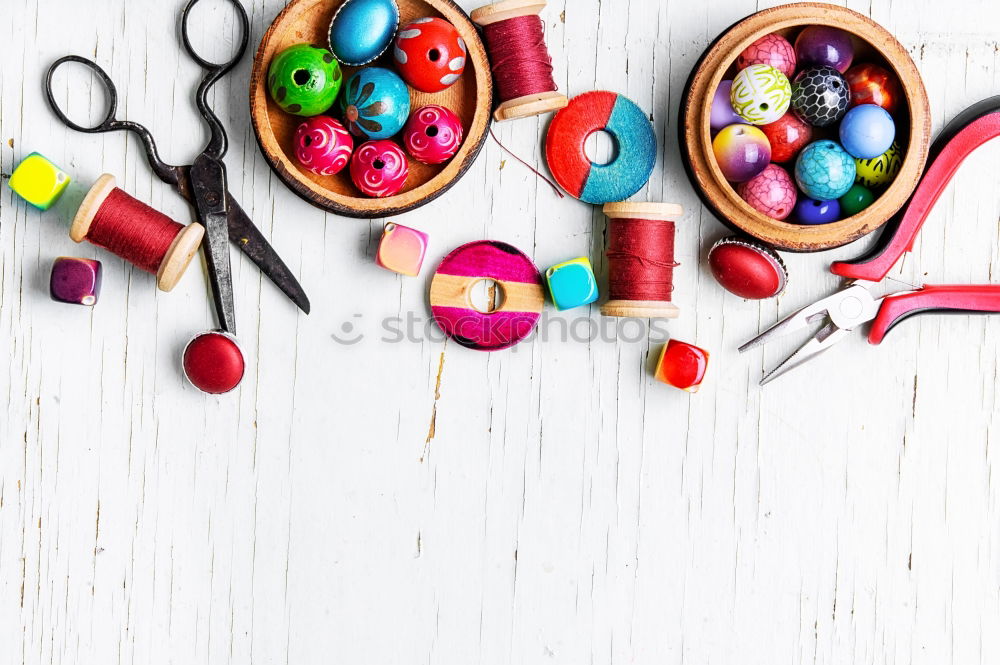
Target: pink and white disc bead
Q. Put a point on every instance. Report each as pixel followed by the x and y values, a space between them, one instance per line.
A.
pixel 323 145
pixel 433 134
pixel 379 168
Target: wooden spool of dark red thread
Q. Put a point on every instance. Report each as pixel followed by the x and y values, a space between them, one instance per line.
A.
pixel 178 244
pixel 519 58
pixel 641 260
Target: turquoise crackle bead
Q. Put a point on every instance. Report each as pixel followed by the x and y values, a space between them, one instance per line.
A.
pixel 824 171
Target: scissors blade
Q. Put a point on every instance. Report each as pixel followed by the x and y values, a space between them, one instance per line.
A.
pixel 208 182
pixel 251 242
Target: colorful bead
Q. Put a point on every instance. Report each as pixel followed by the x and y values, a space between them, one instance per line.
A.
pixel 761 94
pixel 787 136
pixel 323 145
pixel 430 54
pixel 379 168
pixel 214 363
pixel 433 134
pixel 682 365
pixel 723 114
pixel 38 181
pixel 362 30
pixel 742 151
pixel 747 268
pixel 824 171
pixel 75 281
pixel 820 96
pixel 855 200
pixel 376 103
pixel 824 46
pixel 304 79
pixel 771 192
pixel 572 284
pixel 402 249
pixel 880 171
pixel 871 84
pixel 812 212
pixel 867 131
pixel 773 50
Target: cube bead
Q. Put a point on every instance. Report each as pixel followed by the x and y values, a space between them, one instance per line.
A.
pixel 402 249
pixel 682 366
pixel 572 284
pixel 75 281
pixel 38 181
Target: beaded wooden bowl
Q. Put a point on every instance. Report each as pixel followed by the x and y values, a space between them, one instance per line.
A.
pixel 471 98
pixel 872 43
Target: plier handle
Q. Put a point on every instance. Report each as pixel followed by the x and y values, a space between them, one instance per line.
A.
pixel 855 305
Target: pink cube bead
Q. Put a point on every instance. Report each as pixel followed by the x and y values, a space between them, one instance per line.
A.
pixel 402 249
pixel 75 281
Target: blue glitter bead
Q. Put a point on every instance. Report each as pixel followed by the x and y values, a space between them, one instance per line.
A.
pixel 362 30
pixel 811 211
pixel 824 171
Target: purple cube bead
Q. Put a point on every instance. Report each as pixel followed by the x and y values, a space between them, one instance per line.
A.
pixel 75 281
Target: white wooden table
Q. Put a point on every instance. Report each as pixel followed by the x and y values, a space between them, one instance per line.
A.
pixel 414 502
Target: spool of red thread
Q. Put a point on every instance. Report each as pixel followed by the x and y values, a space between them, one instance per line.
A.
pixel 514 36
pixel 641 260
pixel 130 229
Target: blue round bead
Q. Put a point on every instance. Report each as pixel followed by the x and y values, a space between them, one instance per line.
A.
pixel 811 211
pixel 867 131
pixel 376 103
pixel 362 30
pixel 824 171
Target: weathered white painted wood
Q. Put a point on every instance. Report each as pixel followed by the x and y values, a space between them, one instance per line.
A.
pixel 414 502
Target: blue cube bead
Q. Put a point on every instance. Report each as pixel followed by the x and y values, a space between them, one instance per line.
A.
pixel 572 284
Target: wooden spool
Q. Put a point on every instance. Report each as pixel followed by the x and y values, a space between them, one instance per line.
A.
pixel 642 309
pixel 471 98
pixel 873 43
pixel 178 256
pixel 529 105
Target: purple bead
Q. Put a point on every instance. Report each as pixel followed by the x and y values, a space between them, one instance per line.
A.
pixel 811 211
pixel 823 45
pixel 741 151
pixel 75 281
pixel 723 114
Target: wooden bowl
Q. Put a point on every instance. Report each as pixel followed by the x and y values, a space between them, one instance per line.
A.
pixel 873 43
pixel 471 98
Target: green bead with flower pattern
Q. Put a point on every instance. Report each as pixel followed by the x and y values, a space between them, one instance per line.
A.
pixel 304 79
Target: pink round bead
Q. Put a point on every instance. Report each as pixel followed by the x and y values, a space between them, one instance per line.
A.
pixel 772 50
pixel 323 145
pixel 379 168
pixel 433 134
pixel 772 192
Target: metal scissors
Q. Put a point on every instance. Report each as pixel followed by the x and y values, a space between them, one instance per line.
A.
pixel 202 183
pixel 855 304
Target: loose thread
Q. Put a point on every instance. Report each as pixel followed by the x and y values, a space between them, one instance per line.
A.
pixel 521 62
pixel 130 229
pixel 641 259
pixel 555 188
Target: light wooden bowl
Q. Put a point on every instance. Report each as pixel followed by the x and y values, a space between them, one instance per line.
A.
pixel 873 43
pixel 471 98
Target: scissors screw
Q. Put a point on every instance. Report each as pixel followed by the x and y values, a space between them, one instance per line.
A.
pixel 212 198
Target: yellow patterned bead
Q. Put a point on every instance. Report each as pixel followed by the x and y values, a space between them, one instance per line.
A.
pixel 878 172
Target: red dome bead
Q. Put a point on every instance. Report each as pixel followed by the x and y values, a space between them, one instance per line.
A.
pixel 213 363
pixel 747 268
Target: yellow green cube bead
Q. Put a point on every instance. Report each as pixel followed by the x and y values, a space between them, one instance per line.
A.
pixel 38 181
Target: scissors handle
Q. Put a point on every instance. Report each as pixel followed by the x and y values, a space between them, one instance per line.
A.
pixel 166 172
pixel 218 143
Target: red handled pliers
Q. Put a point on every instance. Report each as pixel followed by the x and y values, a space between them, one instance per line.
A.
pixel 854 305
